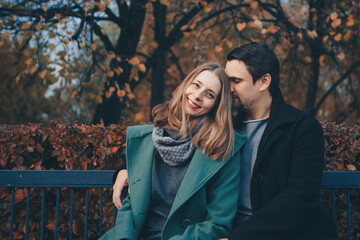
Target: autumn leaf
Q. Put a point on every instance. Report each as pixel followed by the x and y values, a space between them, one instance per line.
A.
pixel 254 5
pixel 120 93
pixel 114 149
pixel 108 94
pixel 33 69
pixel 228 43
pixel 98 99
pixel 321 58
pixel 111 89
pixel 192 26
pixel 93 46
pixel 118 70
pixel 131 96
pixel 218 48
pixel 39 148
pixel 165 2
pixel 73 94
pixel 134 61
pixel 347 36
pixel 62 54
pixel 312 34
pixel 339 165
pixel 337 37
pixel 42 74
pixel 100 6
pixel 273 28
pixel 52 47
pixel 38 26
pixel 25 26
pixel 19 196
pixel 350 22
pixel 207 9
pixel 154 44
pixel 299 35
pixel 28 61
pixel 308 59
pixel 184 27
pixel 240 26
pixel 110 74
pixel 52 35
pixel 111 55
pixel 341 56
pixel 333 16
pixel 142 67
pixel 350 167
pixel 336 23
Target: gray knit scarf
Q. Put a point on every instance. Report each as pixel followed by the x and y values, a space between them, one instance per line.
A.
pixel 173 149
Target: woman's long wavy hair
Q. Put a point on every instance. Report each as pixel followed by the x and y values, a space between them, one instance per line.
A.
pixel 216 134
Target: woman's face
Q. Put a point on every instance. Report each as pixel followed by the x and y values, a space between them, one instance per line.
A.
pixel 202 93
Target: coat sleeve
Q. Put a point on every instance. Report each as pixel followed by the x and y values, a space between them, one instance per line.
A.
pixel 222 193
pixel 124 225
pixel 294 205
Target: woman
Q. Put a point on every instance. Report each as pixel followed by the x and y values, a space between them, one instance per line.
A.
pixel 184 169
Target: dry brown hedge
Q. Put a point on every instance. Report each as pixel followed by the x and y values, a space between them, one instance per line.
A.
pixel 70 146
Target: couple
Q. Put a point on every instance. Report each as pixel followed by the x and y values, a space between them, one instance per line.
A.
pixel 191 176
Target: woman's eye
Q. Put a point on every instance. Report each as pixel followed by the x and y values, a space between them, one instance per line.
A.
pixel 196 85
pixel 210 95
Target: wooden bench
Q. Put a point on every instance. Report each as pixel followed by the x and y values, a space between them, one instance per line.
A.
pixel 335 184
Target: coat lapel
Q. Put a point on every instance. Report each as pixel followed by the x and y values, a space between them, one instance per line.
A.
pixel 279 116
pixel 200 170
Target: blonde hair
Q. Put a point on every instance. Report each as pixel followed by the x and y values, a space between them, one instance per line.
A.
pixel 216 134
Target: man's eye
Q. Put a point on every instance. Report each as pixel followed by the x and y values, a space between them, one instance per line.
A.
pixel 235 80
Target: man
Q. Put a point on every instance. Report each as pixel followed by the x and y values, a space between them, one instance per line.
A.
pixel 282 160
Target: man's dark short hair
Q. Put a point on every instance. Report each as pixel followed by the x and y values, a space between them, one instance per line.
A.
pixel 259 60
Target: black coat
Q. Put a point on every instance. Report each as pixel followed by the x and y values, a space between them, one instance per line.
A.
pixel 285 184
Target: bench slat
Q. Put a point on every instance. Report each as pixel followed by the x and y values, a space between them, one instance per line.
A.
pixel 56 178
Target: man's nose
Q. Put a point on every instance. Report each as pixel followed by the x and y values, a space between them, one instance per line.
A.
pixel 231 87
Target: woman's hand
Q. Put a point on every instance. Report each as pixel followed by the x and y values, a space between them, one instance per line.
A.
pixel 120 182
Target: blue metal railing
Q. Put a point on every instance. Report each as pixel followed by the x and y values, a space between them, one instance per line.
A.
pixel 75 179
pixel 346 182
pixel 78 179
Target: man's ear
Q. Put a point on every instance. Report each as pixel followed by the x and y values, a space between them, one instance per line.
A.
pixel 265 82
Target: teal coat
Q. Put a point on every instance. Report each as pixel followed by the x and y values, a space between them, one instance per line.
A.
pixel 205 204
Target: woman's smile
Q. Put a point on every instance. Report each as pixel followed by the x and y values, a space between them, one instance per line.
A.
pixel 192 104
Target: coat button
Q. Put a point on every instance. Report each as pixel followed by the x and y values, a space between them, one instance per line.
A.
pixel 186 222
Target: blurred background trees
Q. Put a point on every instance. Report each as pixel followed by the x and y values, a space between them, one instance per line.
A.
pixel 97 61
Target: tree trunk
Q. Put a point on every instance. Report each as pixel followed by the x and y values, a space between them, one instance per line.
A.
pixel 313 83
pixel 159 57
pixel 315 22
pixel 109 111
